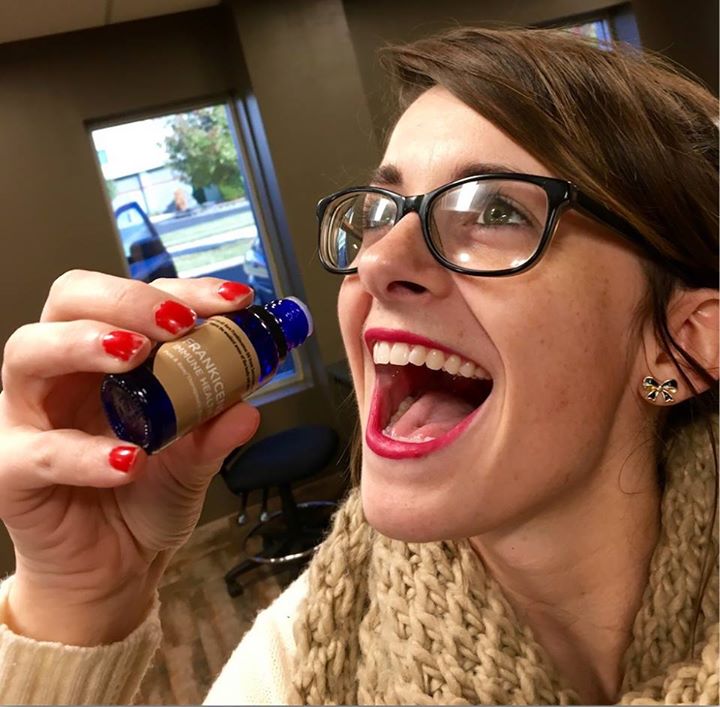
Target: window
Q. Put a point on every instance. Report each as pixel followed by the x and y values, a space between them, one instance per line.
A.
pixel 599 30
pixel 183 203
pixel 616 23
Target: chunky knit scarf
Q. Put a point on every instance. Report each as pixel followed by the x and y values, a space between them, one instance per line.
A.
pixel 392 622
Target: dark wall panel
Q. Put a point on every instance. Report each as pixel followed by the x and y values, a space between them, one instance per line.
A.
pixel 373 24
pixel 687 32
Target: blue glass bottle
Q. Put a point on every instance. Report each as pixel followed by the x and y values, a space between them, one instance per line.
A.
pixel 187 381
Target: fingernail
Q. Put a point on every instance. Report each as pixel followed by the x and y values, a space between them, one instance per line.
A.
pixel 123 458
pixel 174 317
pixel 233 290
pixel 122 344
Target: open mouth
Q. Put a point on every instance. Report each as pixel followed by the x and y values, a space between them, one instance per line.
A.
pixel 423 398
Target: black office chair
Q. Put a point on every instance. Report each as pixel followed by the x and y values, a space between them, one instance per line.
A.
pixel 289 536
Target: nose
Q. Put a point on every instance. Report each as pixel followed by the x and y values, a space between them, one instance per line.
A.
pixel 400 267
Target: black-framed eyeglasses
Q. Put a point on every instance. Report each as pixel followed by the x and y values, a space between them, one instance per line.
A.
pixel 486 225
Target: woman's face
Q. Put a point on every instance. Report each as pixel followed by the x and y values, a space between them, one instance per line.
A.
pixel 557 342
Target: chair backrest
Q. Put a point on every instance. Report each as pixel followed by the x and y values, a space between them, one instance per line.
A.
pixel 283 458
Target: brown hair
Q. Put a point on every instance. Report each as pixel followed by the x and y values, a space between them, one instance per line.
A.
pixel 624 125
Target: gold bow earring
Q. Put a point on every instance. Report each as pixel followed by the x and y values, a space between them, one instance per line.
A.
pixel 665 390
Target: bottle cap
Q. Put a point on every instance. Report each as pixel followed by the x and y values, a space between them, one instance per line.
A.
pixel 306 311
pixel 294 318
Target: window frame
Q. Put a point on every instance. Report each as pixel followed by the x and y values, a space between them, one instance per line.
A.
pixel 266 212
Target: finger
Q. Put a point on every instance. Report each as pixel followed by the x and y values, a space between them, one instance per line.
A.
pixel 120 302
pixel 207 295
pixel 162 311
pixel 49 349
pixel 210 443
pixel 35 460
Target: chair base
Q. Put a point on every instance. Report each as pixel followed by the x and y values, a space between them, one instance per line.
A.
pixel 284 544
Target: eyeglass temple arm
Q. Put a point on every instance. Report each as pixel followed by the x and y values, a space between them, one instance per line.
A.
pixel 591 207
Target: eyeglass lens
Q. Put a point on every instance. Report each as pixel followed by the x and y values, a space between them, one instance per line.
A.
pixel 481 225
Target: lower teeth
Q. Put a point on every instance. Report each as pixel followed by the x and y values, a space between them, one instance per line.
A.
pixel 402 409
pixel 407 439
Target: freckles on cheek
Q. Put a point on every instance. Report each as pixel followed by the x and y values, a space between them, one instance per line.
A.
pixel 563 335
pixel 560 396
pixel 555 347
pixel 593 343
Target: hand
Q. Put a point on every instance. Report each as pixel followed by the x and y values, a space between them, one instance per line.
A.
pixel 91 540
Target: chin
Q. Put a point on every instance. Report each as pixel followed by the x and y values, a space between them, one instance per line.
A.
pixel 401 514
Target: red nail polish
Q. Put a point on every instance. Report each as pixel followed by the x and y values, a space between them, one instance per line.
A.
pixel 174 317
pixel 122 344
pixel 233 290
pixel 123 458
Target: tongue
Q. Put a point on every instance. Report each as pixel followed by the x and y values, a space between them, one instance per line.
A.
pixel 432 415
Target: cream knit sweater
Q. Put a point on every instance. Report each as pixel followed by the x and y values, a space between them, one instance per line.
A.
pixel 38 672
pixel 390 622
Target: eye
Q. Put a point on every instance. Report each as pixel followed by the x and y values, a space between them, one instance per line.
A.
pixel 500 212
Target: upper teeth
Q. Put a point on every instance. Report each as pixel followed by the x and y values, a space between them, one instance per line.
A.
pixel 401 354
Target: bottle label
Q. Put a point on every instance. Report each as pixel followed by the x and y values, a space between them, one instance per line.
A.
pixel 206 371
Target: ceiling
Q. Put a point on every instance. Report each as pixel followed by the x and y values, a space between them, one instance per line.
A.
pixel 23 19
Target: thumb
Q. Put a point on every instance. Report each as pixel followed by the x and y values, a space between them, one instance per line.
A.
pixel 209 444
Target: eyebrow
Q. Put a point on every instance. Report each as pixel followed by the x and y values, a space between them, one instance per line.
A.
pixel 389 175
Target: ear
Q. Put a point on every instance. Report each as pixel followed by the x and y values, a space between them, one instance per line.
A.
pixel 692 319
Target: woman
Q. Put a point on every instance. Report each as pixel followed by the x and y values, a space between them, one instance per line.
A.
pixel 534 348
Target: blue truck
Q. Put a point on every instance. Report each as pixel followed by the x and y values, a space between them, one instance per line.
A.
pixel 146 255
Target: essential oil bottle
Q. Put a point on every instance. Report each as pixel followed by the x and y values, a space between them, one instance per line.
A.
pixel 191 379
